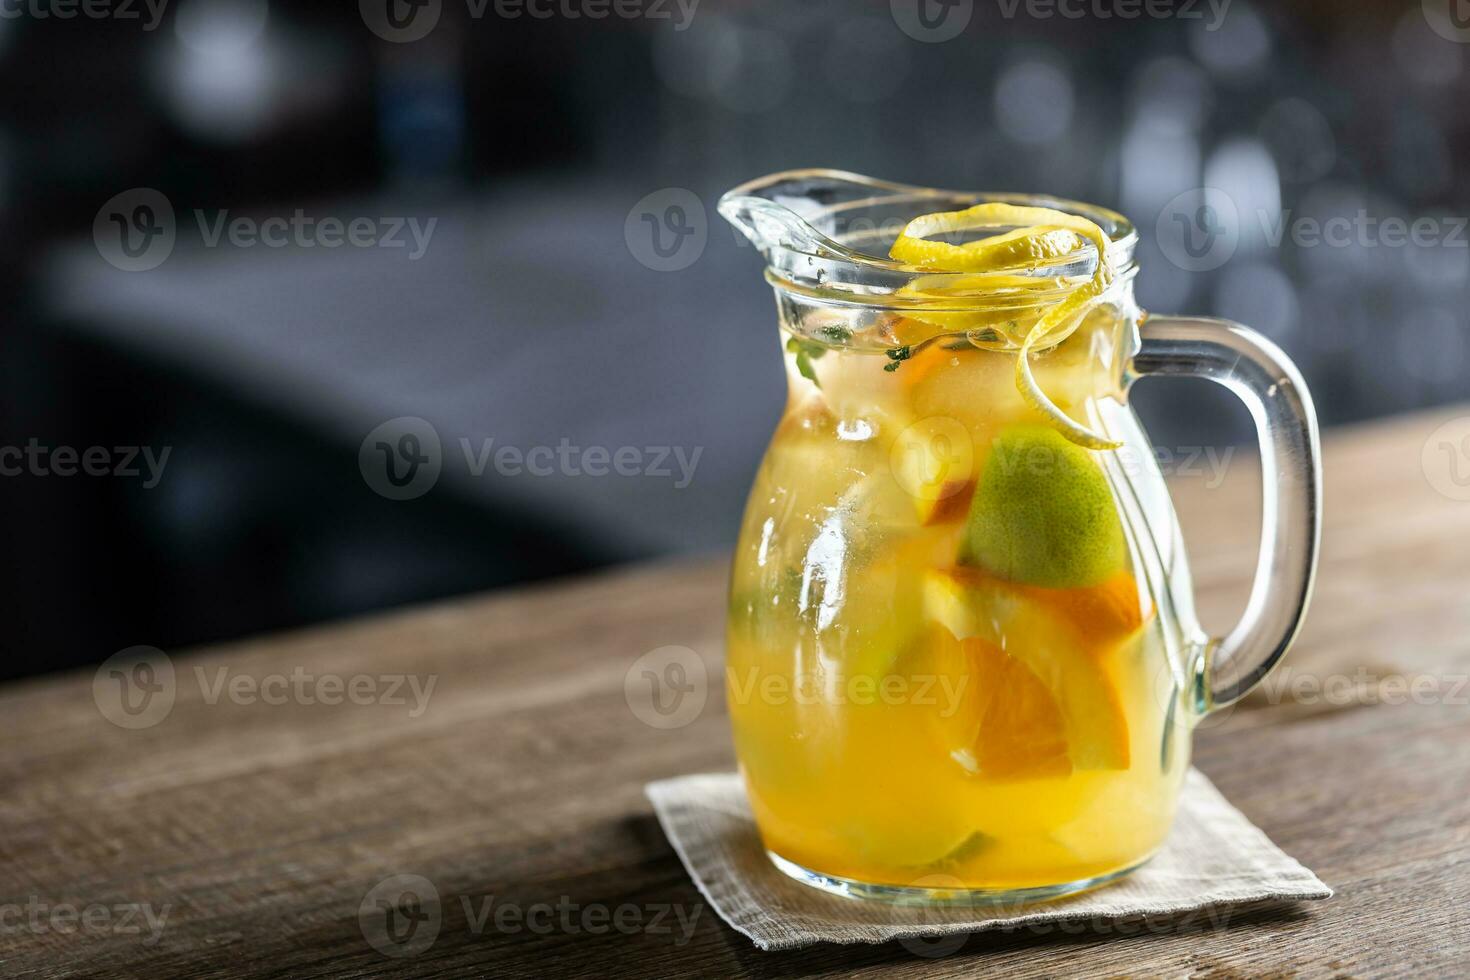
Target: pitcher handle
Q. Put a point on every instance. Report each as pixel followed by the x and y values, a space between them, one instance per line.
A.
pixel 1263 377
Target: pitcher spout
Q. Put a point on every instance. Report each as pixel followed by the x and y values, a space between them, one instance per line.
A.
pixel 810 211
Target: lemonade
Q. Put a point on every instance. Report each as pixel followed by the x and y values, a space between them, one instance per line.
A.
pixel 942 657
pixel 963 662
pixel 945 658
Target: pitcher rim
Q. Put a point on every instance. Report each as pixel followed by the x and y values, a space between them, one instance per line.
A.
pixel 804 259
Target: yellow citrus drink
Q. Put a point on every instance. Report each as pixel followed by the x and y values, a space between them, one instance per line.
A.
pixel 963 660
pixel 946 661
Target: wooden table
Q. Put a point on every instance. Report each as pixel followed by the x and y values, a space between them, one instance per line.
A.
pixel 256 830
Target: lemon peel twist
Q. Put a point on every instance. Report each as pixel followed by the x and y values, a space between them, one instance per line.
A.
pixel 1039 235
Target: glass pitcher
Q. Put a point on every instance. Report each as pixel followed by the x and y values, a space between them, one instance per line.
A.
pixel 963 661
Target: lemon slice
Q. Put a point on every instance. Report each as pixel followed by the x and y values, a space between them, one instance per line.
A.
pixel 1021 246
pixel 1039 235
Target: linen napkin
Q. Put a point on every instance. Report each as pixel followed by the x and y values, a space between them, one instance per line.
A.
pixel 1213 859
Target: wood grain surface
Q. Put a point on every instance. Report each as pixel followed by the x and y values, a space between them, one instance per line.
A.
pixel 252 831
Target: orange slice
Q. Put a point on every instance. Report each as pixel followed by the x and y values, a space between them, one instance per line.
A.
pixel 1049 648
pixel 1006 724
pixel 1103 615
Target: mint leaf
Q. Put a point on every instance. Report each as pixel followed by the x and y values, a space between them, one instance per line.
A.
pixel 806 351
pixel 836 334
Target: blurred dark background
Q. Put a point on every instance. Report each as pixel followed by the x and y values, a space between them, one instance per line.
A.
pixel 535 139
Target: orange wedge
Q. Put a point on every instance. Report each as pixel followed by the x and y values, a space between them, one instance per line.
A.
pixel 1039 646
pixel 1006 724
pixel 1103 615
